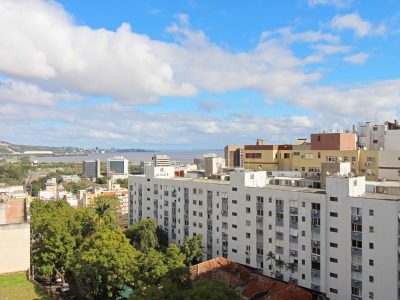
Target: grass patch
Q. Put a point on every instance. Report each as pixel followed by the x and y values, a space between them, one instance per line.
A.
pixel 17 287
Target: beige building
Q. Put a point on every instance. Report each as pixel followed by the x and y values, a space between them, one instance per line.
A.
pixel 14 232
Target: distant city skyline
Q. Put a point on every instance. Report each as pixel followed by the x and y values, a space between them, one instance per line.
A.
pixel 194 74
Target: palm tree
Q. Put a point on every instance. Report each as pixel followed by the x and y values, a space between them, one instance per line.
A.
pixel 279 264
pixel 291 267
pixel 271 258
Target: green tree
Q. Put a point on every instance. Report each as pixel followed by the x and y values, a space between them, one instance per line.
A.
pixel 192 249
pixel 143 235
pixel 101 180
pixel 106 208
pixel 271 258
pixel 123 182
pixel 210 290
pixel 104 263
pixel 56 233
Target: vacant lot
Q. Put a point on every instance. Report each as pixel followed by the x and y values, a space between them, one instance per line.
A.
pixel 17 287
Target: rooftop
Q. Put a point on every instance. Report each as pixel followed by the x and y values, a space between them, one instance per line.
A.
pixel 246 282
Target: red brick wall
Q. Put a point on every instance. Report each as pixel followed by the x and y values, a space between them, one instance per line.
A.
pixel 333 141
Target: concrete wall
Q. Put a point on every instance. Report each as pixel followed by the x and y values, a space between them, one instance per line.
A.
pixel 14 247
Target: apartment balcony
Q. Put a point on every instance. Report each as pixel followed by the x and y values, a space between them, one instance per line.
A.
pixel 155 192
pixel 186 197
pixel 355 235
pixel 259 245
pixel 356 283
pixel 224 237
pixel 315 243
pixel 224 213
pixel 356 251
pixel 315 273
pixel 315 229
pixel 293 210
pixel 259 232
pixel 279 209
pixel 259 218
pixel 260 206
pixel 279 222
pixel 293 225
pixel 315 287
pixel 293 253
pixel 315 258
pixel 315 213
pixel 356 268
pixel 259 258
pixel 279 235
pixel 224 200
pixel 279 250
pixel 356 219
pixel 293 238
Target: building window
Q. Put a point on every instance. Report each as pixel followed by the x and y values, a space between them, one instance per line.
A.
pixel 234 250
pixel 333 214
pixel 333 245
pixel 303 204
pixel 194 213
pixel 234 201
pixel 371 262
pixel 234 189
pixel 371 295
pixel 248 197
pixel 303 276
pixel 356 227
pixel 334 260
pixel 333 229
pixel 303 233
pixel 247 210
pixel 333 199
pixel 234 238
pixel 371 278
pixel 303 219
pixel 247 222
pixel 356 244
pixel 375 141
pixel 371 212
pixel 234 226
pixel 371 246
pixel 234 214
pixel 303 262
pixel 247 235
pixel 334 291
pixel 333 275
pixel 303 247
pixel 371 229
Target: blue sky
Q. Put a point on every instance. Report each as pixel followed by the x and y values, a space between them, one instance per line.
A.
pixel 194 74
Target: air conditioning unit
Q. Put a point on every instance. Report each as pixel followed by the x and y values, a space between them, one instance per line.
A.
pixel 314 258
pixel 315 243
pixel 355 218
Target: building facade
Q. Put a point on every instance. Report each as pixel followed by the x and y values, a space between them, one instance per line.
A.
pixel 91 168
pixel 341 239
pixel 117 166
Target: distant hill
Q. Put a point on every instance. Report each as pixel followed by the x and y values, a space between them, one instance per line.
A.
pixel 8 148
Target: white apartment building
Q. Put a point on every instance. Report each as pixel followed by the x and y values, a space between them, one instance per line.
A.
pixel 213 164
pixel 118 166
pixel 345 241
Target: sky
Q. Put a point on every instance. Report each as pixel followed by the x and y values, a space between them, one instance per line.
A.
pixel 193 74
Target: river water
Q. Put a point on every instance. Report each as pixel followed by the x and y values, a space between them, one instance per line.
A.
pixel 133 157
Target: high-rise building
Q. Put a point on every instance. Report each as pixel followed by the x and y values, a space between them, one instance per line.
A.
pixel 340 239
pixel 161 160
pixel 213 164
pixel 91 168
pixel 117 166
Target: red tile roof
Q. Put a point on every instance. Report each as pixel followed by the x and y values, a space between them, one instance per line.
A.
pixel 248 283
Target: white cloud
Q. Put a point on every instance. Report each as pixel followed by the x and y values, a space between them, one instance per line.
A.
pixel 332 49
pixel 41 42
pixel 336 3
pixel 357 59
pixel 354 22
pixel 287 35
pixel 22 92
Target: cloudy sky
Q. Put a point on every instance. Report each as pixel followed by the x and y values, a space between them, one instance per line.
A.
pixel 194 74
